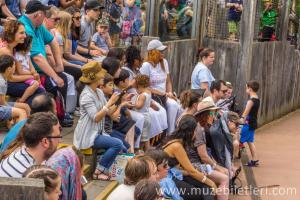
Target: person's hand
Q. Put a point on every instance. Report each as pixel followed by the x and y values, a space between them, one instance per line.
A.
pixel 171 96
pixel 113 99
pixel 59 81
pixel 222 170
pixel 127 104
pixel 36 76
pixel 127 97
pixel 111 110
pixel 211 184
pixel 95 53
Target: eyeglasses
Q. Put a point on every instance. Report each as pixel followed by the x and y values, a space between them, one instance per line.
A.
pixel 77 18
pixel 59 136
pixel 56 19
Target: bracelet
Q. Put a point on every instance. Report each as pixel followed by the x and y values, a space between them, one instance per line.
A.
pixel 105 109
pixel 204 179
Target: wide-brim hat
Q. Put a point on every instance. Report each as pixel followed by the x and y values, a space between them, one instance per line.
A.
pixel 205 106
pixel 91 72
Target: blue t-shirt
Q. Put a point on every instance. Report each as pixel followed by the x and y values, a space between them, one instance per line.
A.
pixel 12 134
pixel 40 38
pixel 100 42
pixel 234 15
pixel 201 74
pixel 14 7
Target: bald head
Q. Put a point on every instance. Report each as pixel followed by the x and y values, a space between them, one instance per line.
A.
pixel 43 103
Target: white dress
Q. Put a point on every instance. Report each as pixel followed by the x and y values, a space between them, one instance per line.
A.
pixel 147 117
pixel 159 121
pixel 158 81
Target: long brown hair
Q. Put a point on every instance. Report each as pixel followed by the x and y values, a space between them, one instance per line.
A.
pixel 202 119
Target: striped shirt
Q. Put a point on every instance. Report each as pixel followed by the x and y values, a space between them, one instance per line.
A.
pixel 16 163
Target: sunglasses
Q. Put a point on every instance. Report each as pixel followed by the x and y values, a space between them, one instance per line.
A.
pixel 56 19
pixel 77 18
pixel 212 113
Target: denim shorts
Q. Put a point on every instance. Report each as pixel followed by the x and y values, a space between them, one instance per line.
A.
pixel 5 113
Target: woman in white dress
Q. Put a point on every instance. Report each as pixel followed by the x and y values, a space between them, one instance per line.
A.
pixel 158 117
pixel 157 68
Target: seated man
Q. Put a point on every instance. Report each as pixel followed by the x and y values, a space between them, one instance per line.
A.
pixel 41 135
pixel 41 103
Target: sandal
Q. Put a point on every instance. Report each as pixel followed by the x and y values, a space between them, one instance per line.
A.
pixel 237 172
pixel 97 175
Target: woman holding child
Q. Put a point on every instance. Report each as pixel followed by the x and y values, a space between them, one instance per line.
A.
pixel 12 42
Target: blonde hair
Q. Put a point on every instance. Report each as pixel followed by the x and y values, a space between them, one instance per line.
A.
pixel 64 25
pixel 154 57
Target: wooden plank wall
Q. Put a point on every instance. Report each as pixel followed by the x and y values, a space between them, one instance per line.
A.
pixel 181 55
pixel 276 65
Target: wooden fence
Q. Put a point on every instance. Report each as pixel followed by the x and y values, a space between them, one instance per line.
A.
pixel 276 65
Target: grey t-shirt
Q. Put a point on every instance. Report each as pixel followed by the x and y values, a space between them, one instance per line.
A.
pixel 87 30
pixel 3 85
pixel 100 42
pixel 199 140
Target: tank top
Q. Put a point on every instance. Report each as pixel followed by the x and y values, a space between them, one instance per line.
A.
pixel 252 116
pixel 147 103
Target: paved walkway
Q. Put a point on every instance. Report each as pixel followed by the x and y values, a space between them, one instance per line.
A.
pixel 279 154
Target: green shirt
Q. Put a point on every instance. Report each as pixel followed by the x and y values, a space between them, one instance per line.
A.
pixel 40 38
pixel 269 18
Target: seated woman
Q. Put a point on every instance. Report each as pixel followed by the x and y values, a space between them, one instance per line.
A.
pixel 138 168
pixel 175 146
pixel 89 131
pixel 61 33
pixel 68 163
pixel 71 54
pixel 157 68
pixel 204 113
pixel 159 116
pixel 51 178
pixel 14 34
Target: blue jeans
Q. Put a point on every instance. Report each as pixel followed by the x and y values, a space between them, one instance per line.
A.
pixel 121 136
pixel 112 146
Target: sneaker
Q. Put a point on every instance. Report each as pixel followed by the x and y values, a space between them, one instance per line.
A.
pixel 252 163
pixel 76 112
pixel 68 116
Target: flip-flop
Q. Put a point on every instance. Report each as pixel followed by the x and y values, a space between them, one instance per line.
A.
pixel 237 172
pixel 96 176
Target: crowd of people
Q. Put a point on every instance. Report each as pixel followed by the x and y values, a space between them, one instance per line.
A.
pixel 59 63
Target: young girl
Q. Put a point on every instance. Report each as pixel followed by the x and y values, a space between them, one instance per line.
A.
pixel 25 67
pixel 142 105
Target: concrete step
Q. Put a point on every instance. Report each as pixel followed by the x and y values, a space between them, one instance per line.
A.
pixel 99 190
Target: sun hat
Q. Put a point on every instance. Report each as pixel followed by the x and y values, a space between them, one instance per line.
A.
pixel 91 72
pixel 156 45
pixel 103 22
pixel 205 106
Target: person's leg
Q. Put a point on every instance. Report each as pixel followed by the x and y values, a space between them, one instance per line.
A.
pixel 129 138
pixel 120 136
pixel 38 91
pixel 29 91
pixel 185 190
pixel 112 145
pixel 74 71
pixel 172 113
pixel 204 191
pixel 18 113
pixel 252 150
pixel 222 182
pixel 23 106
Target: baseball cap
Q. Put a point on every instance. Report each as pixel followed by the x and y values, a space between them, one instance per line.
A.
pixel 34 6
pixel 93 4
pixel 156 45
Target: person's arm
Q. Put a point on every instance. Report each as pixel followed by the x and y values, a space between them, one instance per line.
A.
pixel 65 4
pixel 86 51
pixel 65 62
pixel 2 100
pixel 19 78
pixel 107 39
pixel 20 71
pixel 247 109
pixel 47 69
pixel 170 88
pixel 94 47
pixel 68 53
pixel 180 154
pixel 79 3
pixel 5 10
pixel 57 56
pixel 140 101
pixel 202 152
pixel 154 106
pixel 23 5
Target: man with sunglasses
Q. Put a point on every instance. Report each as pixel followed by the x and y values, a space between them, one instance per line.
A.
pixel 41 135
pixel 92 12
pixel 218 90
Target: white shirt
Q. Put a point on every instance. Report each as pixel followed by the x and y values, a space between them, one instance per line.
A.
pixel 124 192
pixel 158 76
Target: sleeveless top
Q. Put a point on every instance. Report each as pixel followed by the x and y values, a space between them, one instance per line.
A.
pixel 147 103
pixel 252 116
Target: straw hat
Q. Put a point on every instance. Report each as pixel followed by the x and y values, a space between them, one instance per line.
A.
pixel 205 106
pixel 91 72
